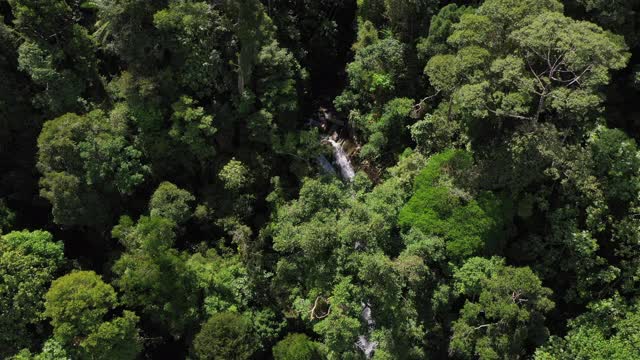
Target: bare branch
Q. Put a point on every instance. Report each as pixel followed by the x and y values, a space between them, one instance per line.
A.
pixel 543 88
pixel 577 79
pixel 515 116
pixel 483 326
pixel 418 109
pixel 426 99
pixel 315 305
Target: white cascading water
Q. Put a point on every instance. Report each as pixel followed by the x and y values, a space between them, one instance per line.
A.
pixel 367 347
pixel 346 171
pixel 342 160
pixel 326 165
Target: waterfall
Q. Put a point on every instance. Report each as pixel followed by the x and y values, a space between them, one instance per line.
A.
pixel 326 165
pixel 367 347
pixel 342 160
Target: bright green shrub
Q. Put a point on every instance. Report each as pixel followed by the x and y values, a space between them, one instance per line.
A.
pixel 296 347
pixel 470 225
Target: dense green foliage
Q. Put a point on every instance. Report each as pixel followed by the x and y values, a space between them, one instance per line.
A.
pixel 77 304
pixel 166 189
pixel 296 347
pixel 28 263
pixel 225 336
pixel 468 224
